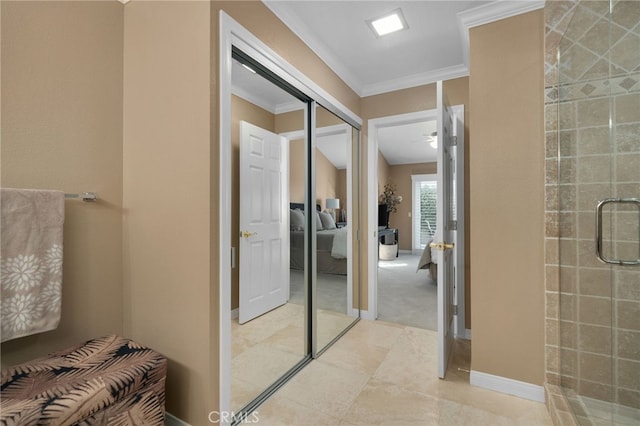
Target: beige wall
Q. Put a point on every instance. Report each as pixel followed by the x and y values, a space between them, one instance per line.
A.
pixel 383 173
pixel 326 180
pixel 328 183
pixel 297 171
pixel 62 129
pixel 167 196
pixel 400 175
pixel 291 122
pixel 507 197
pixel 246 111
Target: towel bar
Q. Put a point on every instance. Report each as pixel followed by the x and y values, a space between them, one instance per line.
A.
pixel 86 196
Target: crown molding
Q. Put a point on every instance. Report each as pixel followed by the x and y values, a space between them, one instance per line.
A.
pixel 318 47
pixel 496 11
pixel 491 12
pixel 288 107
pixel 280 108
pixel 415 80
pixel 467 19
pixel 251 98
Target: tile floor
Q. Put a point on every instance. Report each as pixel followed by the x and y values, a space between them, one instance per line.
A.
pixel 385 374
pixel 265 348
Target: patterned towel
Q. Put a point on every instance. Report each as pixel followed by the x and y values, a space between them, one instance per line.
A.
pixel 30 260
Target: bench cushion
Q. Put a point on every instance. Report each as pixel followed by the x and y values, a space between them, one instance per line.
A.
pixel 93 383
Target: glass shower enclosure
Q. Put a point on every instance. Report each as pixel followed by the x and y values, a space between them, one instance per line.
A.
pixel 599 212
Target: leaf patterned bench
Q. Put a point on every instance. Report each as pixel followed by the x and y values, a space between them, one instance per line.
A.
pixel 110 380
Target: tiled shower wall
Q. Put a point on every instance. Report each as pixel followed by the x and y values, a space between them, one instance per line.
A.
pixel 585 299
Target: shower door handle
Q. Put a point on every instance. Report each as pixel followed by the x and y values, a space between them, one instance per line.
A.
pixel 599 207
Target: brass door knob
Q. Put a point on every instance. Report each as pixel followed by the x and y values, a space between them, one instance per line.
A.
pixel 442 246
pixel 247 234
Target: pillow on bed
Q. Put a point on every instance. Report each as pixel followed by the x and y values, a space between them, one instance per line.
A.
pixel 296 220
pixel 327 221
pixel 318 222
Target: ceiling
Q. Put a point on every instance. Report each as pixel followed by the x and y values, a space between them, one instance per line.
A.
pixel 434 47
pixel 407 143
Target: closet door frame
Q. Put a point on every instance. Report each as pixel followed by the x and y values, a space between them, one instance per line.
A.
pixel 233 34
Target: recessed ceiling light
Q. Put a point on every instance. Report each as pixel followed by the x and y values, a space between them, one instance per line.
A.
pixel 389 23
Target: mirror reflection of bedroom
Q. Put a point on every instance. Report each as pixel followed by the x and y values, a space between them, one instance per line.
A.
pixel 334 253
pixel 279 320
pixel 335 294
pixel 407 196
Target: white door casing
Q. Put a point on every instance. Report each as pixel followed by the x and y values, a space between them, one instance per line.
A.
pixel 446 214
pixel 264 236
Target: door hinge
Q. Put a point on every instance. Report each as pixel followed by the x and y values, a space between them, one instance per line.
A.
pixel 453 225
pixel 454 140
pixel 455 309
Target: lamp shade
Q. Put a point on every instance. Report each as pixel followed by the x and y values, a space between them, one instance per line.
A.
pixel 333 203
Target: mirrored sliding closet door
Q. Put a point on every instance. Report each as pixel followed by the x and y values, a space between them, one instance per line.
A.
pixel 268 327
pixel 336 297
pixel 294 226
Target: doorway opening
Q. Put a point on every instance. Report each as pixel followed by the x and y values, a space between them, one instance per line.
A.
pixel 454 166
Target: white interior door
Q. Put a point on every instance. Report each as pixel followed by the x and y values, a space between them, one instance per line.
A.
pixel 445 218
pixel 264 236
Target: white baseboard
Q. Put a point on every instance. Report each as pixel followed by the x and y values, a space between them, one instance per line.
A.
pixel 367 315
pixel 171 420
pixel 405 251
pixel 235 313
pixel 509 386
